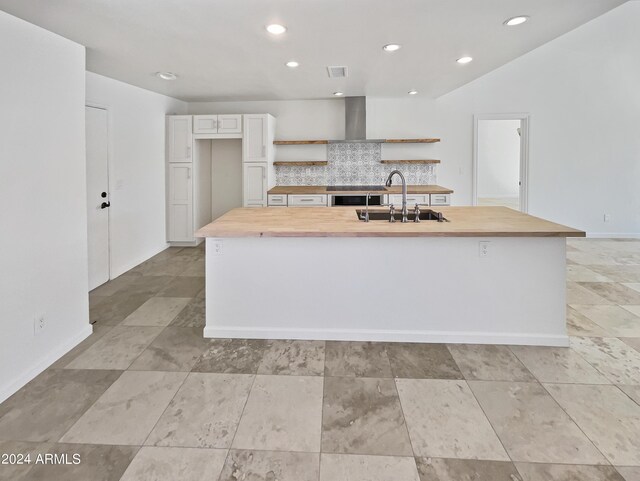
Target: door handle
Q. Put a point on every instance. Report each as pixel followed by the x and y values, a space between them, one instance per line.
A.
pixel 104 205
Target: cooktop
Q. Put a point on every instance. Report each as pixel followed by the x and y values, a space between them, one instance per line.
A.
pixel 348 188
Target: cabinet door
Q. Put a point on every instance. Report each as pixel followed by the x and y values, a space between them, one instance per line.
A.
pixel 205 124
pixel 255 184
pixel 180 203
pixel 180 138
pixel 254 140
pixel 440 199
pixel 229 124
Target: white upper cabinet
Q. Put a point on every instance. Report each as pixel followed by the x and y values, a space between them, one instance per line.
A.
pixel 255 184
pixel 217 124
pixel 180 138
pixel 255 138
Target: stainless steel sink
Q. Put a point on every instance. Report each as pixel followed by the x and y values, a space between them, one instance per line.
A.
pixel 384 216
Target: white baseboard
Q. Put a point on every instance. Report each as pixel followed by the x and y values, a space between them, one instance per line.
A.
pixel 448 337
pixel 117 272
pixel 44 363
pixel 614 235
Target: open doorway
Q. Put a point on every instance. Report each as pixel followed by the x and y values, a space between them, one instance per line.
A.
pixel 500 160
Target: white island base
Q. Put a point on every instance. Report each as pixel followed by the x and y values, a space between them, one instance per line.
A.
pixel 413 289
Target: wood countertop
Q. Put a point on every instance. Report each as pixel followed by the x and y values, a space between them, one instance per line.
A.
pixel 325 189
pixel 343 222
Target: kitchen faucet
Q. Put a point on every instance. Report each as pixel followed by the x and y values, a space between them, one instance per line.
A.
pixel 404 192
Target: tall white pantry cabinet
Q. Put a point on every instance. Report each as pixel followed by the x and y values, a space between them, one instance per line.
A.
pixel 189 167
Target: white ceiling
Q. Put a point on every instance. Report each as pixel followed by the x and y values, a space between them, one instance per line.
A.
pixel 220 50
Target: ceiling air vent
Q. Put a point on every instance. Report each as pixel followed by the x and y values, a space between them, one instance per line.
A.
pixel 337 72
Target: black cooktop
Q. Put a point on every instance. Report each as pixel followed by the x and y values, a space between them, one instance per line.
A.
pixel 347 188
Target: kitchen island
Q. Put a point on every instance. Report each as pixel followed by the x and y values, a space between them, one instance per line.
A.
pixel 489 275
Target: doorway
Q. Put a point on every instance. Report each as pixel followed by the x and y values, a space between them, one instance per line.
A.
pixel 98 203
pixel 500 162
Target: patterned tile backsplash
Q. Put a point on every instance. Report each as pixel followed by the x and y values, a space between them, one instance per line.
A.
pixel 354 164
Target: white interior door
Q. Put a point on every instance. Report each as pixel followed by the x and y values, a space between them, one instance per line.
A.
pixel 97 195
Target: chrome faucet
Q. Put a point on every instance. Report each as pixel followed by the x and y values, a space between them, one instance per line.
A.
pixel 404 192
pixel 365 215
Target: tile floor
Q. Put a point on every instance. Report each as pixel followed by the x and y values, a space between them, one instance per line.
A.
pixel 147 398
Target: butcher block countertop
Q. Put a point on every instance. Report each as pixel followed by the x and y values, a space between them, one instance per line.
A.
pixel 325 189
pixel 343 222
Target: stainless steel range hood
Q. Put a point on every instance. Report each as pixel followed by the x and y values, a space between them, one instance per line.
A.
pixel 355 121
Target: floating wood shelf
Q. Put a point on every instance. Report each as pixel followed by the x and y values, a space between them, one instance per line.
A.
pixel 412 161
pixel 300 142
pixel 411 141
pixel 301 163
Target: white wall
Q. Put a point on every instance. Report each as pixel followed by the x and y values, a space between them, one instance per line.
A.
pixel 498 158
pixel 136 167
pixel 43 246
pixel 226 176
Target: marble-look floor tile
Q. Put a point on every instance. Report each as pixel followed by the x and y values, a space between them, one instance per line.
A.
pixel 577 294
pixel 182 287
pixel 438 469
pixel 175 349
pixel 128 410
pixel 531 426
pixel 633 285
pixel 613 291
pixel 147 286
pixel 489 363
pixel 579 325
pixel 422 361
pixel 558 364
pixel 634 342
pixel 363 416
pixel 615 320
pixel 19 471
pixel 175 464
pixel 634 310
pixel 270 466
pixel 204 413
pixel 283 413
pixel 629 473
pixel 114 309
pixel 195 268
pixel 348 467
pixel 193 315
pixel 606 415
pixel 157 311
pixel 48 406
pixel 202 294
pixel 626 274
pixel 117 349
pixel 113 286
pixel 239 356
pixel 567 472
pixel 632 391
pixel 580 273
pixel 298 358
pixel 99 330
pixel 172 266
pixel 356 359
pixel 445 420
pixel 97 463
pixel 618 362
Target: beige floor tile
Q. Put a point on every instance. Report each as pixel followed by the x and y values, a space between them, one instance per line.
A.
pixel 19 471
pixel 632 391
pixel 633 285
pixel 283 413
pixel 489 363
pixel 237 356
pixel 606 415
pixel 49 405
pixel 630 473
pixel 363 416
pixel 532 427
pixel 634 342
pixel 438 469
pixel 117 349
pixel 580 273
pixel 616 360
pixel 114 309
pixel 626 274
pixel 579 325
pixel 147 286
pixel 558 364
pixel 270 466
pixel 175 349
pixel 422 361
pixel 204 413
pixel 577 294
pixel 128 410
pixel 567 472
pixel 99 330
pixel 348 467
pixel 613 291
pixel 194 269
pixel 298 358
pixel 613 319
pixel 113 286
pixel 634 310
pixel 157 311
pixel 356 359
pixel 193 315
pixel 173 464
pixel 445 420
pixel 182 287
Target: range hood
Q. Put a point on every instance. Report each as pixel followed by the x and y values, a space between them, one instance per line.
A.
pixel 355 121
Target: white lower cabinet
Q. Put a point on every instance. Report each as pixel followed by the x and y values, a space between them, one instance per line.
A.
pixel 440 199
pixel 315 200
pixel 180 220
pixel 412 199
pixel 277 200
pixel 255 184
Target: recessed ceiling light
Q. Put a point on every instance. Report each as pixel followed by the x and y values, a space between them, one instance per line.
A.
pixel 412 92
pixel 166 75
pixel 464 60
pixel 513 21
pixel 338 94
pixel 292 64
pixel 391 47
pixel 276 29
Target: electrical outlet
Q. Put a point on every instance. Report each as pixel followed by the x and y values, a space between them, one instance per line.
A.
pixel 39 324
pixel 483 248
pixel 607 217
pixel 218 247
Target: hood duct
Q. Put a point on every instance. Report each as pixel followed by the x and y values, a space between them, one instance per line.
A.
pixel 355 121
